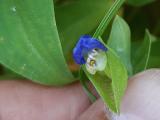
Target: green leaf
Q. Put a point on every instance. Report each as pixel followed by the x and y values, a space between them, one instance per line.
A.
pixel 154 60
pixel 142 54
pixel 139 2
pixel 120 42
pixel 111 90
pixel 154 55
pixel 108 17
pixel 7 74
pixel 78 17
pixel 29 37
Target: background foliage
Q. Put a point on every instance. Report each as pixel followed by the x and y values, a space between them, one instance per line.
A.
pixel 73 20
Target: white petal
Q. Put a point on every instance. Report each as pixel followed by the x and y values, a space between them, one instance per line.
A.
pixel 101 61
pixel 92 70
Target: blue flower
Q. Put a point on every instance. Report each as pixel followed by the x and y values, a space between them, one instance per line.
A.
pixel 85 45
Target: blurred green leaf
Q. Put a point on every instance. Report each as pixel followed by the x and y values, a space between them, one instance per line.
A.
pixel 11 76
pixel 120 41
pixel 154 55
pixel 29 41
pixel 141 55
pixel 78 17
pixel 108 17
pixel 7 74
pixel 111 89
pixel 55 1
pixel 154 60
pixel 139 2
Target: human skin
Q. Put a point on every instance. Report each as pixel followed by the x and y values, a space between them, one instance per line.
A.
pixel 24 100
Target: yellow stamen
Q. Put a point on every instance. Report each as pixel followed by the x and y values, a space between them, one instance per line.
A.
pixel 92 62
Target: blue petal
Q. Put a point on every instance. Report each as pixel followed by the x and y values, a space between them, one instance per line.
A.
pixel 85 44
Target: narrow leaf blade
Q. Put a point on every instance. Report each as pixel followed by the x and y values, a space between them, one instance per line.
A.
pixel 108 17
pixel 141 56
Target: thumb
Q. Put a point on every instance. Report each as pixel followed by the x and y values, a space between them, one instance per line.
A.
pixel 141 100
